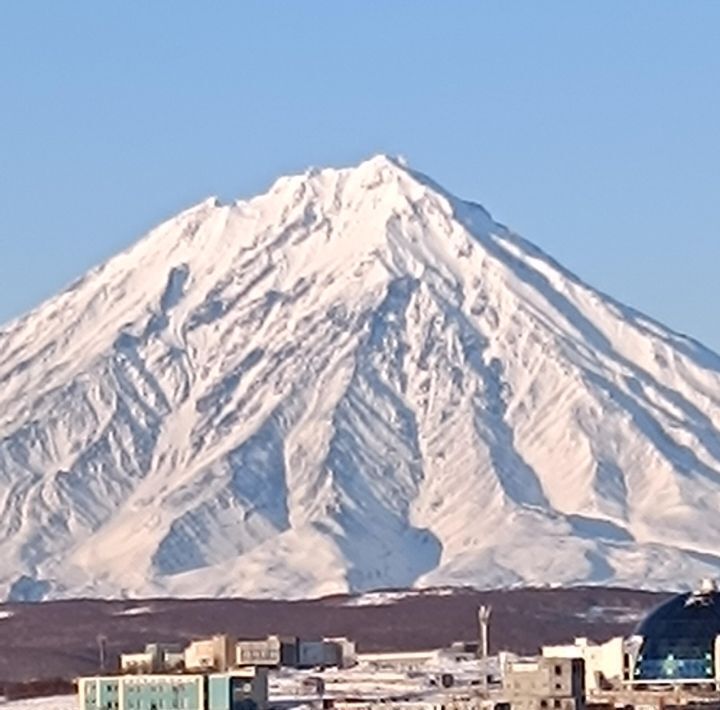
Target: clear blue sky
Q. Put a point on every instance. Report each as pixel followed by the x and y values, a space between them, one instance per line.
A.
pixel 592 128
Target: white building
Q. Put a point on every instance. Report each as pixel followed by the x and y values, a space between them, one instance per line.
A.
pixel 155 658
pixel 215 653
pixel 606 664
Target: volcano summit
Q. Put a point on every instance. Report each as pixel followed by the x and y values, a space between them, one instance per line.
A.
pixel 353 381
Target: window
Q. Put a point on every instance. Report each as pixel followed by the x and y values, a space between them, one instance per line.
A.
pixel 558 670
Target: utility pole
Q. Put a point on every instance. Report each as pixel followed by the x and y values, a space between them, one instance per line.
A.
pixel 102 651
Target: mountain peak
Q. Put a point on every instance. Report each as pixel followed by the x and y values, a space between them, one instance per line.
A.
pixel 354 380
pixel 382 162
pixel 373 172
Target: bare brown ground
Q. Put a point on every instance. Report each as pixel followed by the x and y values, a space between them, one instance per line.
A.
pixel 59 639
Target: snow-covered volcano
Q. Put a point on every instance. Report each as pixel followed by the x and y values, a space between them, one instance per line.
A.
pixel 353 381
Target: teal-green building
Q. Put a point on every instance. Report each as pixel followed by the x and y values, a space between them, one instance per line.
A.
pixel 244 689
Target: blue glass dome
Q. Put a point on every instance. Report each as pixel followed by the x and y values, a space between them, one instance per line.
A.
pixel 679 639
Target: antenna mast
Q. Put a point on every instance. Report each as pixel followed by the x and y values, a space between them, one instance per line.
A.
pixel 484 621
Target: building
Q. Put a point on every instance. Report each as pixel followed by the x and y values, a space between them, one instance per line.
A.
pixel 345 651
pixel 679 641
pixel 292 652
pixel 676 646
pixel 216 653
pixel 237 690
pixel 544 683
pixel 156 657
pixel 606 664
pixel 271 652
pixel 338 652
pixel 137 663
pixel 141 692
pixel 245 689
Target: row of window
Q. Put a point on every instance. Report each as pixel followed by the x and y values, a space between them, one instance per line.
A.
pixel 159 704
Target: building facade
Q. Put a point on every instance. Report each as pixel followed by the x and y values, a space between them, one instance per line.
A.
pixel 237 690
pixel 679 641
pixel 607 665
pixel 261 652
pixel 545 684
pixel 292 652
pixel 215 653
pixel 156 658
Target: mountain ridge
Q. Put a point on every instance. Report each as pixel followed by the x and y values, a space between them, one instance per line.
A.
pixel 355 380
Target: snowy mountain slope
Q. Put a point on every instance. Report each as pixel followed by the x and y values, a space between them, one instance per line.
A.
pixel 353 381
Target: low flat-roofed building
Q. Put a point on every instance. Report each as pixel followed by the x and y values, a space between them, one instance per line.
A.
pixel 243 689
pixel 137 692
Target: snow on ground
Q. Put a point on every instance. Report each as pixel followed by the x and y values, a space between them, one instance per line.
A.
pixel 419 679
pixel 134 611
pixel 292 688
pixel 390 597
pixel 58 702
pixel 616 614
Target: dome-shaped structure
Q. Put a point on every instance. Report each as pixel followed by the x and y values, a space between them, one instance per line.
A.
pixel 679 639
